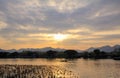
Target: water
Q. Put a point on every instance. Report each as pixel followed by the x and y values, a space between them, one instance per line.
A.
pixel 81 68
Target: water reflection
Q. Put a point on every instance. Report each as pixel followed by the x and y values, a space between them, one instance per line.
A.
pixel 105 68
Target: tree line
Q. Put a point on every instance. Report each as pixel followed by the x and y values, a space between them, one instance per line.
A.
pixel 96 54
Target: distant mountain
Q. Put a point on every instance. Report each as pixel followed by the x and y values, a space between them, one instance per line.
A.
pixel 53 49
pixel 91 49
pixel 105 48
pixel 42 49
pixel 11 50
pixel 79 51
pixel 1 50
pixel 116 46
pixel 34 49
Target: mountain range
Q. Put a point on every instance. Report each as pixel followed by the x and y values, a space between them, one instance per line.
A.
pixel 106 48
pixel 34 49
pixel 103 48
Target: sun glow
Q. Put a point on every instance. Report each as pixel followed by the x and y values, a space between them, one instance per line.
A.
pixel 60 37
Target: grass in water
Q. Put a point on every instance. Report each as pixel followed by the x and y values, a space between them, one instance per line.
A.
pixel 34 71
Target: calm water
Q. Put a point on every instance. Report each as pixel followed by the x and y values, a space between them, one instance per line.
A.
pixel 82 68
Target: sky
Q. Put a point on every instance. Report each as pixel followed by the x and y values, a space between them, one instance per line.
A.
pixel 36 23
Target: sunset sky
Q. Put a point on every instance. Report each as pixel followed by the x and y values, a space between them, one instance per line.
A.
pixel 71 24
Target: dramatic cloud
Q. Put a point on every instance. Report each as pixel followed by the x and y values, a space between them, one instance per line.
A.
pixel 24 23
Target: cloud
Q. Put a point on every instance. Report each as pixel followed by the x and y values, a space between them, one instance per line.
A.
pixel 2 25
pixel 82 19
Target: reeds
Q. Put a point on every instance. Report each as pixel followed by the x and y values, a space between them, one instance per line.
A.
pixel 34 71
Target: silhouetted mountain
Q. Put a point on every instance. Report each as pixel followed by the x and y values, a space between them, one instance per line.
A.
pixel 91 49
pixel 41 49
pixel 105 48
pixel 53 49
pixel 1 50
pixel 79 51
pixel 11 50
pixel 116 46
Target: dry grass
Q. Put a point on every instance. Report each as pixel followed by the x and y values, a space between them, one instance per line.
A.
pixel 34 71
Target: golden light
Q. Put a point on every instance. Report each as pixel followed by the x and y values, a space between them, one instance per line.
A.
pixel 60 37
